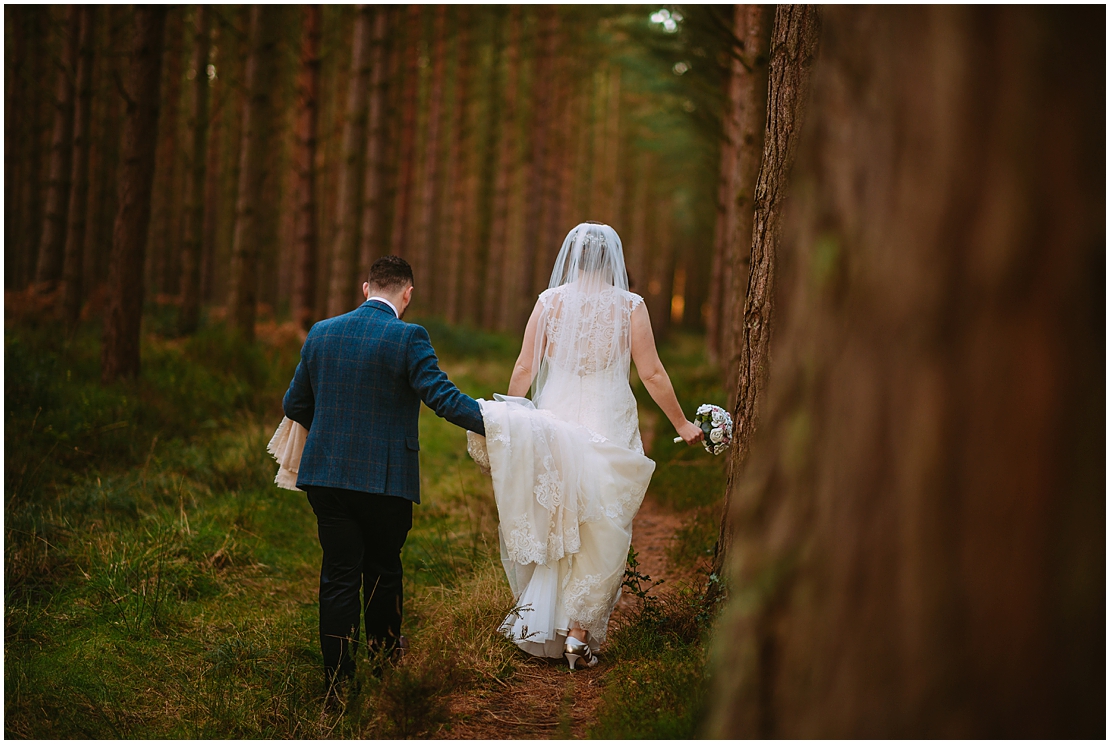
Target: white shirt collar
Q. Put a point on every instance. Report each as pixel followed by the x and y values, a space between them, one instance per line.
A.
pixel 382 299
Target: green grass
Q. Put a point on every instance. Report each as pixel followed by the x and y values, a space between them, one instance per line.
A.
pixel 159 586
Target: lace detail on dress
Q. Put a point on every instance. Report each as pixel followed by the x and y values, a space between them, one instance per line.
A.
pixel 549 494
pixel 522 544
pixel 583 608
pixel 476 448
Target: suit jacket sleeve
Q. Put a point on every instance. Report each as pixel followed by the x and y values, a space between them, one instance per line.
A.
pixel 434 387
pixel 300 402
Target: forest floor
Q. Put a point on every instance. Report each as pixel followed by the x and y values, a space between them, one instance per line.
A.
pixel 158 585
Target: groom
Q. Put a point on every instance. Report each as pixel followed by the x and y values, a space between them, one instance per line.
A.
pixel 357 390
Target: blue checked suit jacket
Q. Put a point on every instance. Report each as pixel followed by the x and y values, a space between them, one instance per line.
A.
pixel 357 390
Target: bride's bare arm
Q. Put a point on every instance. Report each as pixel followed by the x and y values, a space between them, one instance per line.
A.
pixel 655 377
pixel 522 370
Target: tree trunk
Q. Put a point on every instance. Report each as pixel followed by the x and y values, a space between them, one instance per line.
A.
pixel 370 241
pixel 720 280
pixel 349 196
pixel 213 178
pixel 167 194
pixel 424 248
pixel 308 89
pixel 753 29
pixel 538 188
pixel 56 217
pixel 482 188
pixel 14 101
pixel 73 265
pixel 253 163
pixel 399 242
pixel 660 288
pixel 104 152
pixel 458 175
pixel 793 53
pixel 194 190
pixel 506 140
pixel 120 348
pixel 921 543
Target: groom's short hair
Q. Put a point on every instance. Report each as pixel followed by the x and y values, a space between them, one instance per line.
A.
pixel 390 272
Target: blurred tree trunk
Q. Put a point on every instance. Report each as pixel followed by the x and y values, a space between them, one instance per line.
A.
pixel 660 286
pixel 484 165
pixel 399 242
pixel 213 174
pixel 538 201
pixel 308 89
pixel 73 264
pixel 194 190
pixel 459 155
pixel 753 29
pixel 423 249
pixel 52 243
pixel 104 150
pixel 921 544
pixel 167 195
pixel 793 54
pixel 370 241
pixel 120 346
pixel 496 256
pixel 729 126
pixel 253 163
pixel 349 197
pixel 635 244
pixel 15 99
pixel 231 66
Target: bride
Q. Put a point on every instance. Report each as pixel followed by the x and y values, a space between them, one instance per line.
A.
pixel 568 467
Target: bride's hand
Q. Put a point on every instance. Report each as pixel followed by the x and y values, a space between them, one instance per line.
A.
pixel 690 433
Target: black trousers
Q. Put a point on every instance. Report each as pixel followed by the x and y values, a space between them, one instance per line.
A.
pixel 362 535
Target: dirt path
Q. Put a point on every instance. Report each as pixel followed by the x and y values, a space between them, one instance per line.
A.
pixel 544 699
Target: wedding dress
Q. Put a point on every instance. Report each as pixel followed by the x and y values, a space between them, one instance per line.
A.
pixel 568 467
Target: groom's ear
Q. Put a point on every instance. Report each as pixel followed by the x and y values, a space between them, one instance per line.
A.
pixel 408 294
pixel 366 290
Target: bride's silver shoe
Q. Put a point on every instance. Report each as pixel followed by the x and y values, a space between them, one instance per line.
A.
pixel 576 650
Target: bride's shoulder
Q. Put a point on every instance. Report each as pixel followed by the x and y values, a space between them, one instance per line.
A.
pixel 634 300
pixel 548 295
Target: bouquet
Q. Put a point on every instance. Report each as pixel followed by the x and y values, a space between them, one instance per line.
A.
pixel 716 423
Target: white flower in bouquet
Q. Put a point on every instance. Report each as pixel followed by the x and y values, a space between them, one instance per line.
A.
pixel 716 436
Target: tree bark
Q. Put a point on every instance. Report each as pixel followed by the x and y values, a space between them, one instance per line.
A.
pixel 506 139
pixel 349 196
pixel 538 202
pixel 52 243
pixel 921 529
pixel 424 241
pixel 399 239
pixel 15 98
pixel 370 241
pixel 194 190
pixel 120 346
pixel 104 154
pixel 243 295
pixel 308 91
pixel 459 155
pixel 73 264
pixel 753 28
pixel 166 210
pixel 720 271
pixel 793 53
pixel 481 190
pixel 213 181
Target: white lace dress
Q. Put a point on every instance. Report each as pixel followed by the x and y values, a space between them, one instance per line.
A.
pixel 569 472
